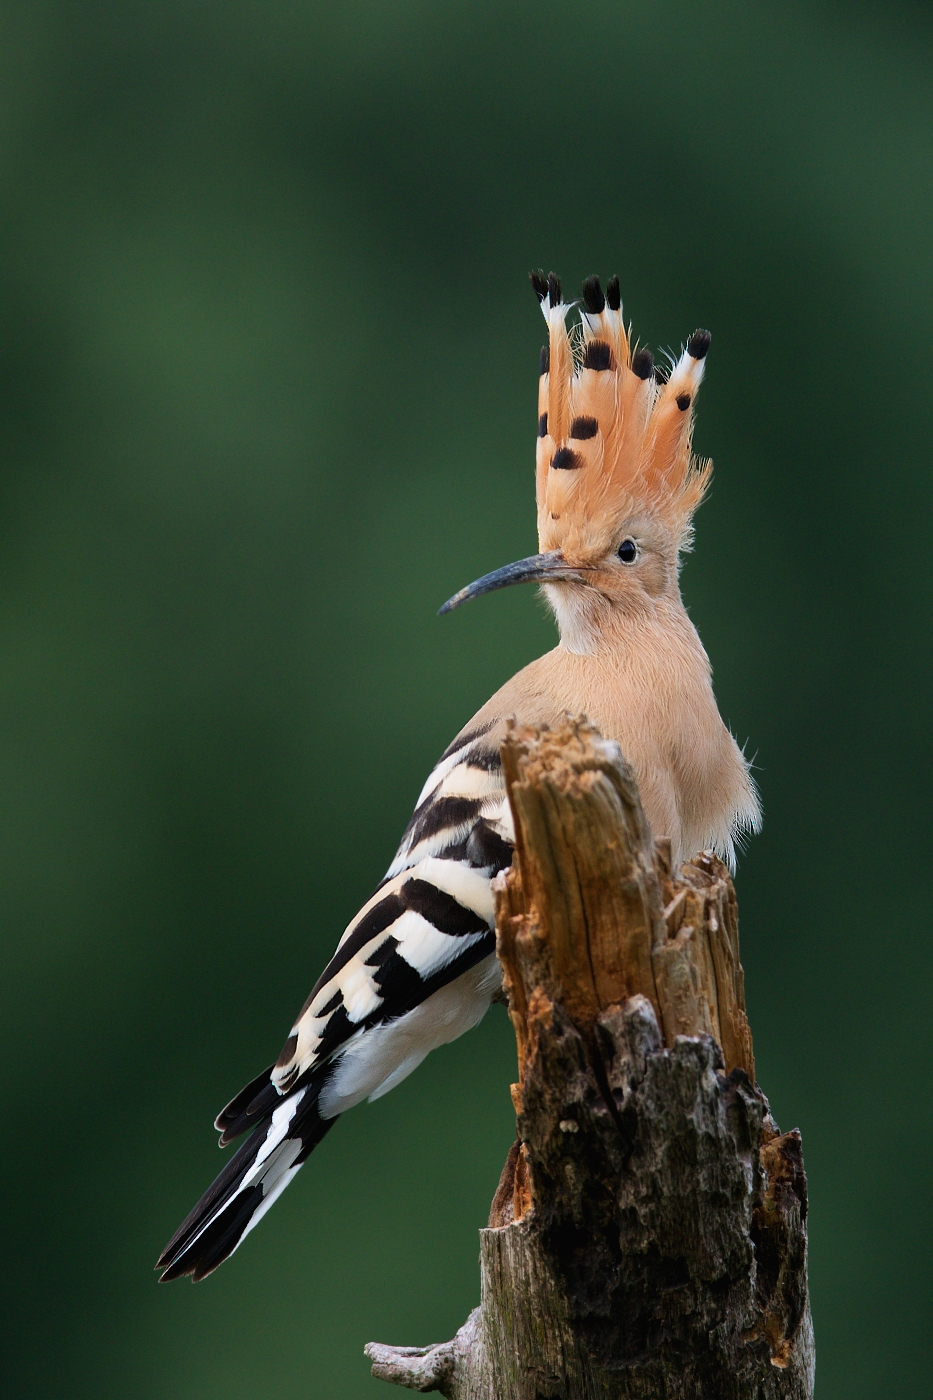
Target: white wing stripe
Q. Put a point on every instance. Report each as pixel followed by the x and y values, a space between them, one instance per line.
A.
pixel 464 883
pixel 278 1129
pixel 442 769
pixel 423 947
pixel 464 781
pixel 360 994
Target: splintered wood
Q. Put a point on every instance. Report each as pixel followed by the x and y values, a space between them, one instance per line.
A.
pixel 591 912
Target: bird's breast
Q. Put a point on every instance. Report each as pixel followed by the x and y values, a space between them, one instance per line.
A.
pixel 654 697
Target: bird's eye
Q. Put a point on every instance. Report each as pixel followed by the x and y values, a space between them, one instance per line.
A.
pixel 628 551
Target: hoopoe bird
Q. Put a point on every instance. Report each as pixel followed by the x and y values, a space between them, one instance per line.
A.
pixel 616 488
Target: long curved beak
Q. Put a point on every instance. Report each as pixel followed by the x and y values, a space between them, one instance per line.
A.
pixel 538 568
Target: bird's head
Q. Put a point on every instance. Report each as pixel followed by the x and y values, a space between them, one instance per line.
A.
pixel 617 483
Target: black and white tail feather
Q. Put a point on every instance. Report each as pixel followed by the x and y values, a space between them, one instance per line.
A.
pixel 415 969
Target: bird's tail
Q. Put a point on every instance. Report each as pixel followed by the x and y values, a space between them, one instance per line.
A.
pixel 287 1130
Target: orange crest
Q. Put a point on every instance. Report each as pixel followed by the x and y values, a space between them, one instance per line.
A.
pixel 613 442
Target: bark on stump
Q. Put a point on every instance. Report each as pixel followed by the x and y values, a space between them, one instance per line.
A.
pixel 648 1237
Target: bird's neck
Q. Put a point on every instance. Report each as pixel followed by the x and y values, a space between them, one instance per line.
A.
pixel 590 625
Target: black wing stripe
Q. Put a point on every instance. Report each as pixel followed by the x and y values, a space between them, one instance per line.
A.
pixel 486 760
pixel 486 848
pixel 338 1029
pixel 447 914
pixel 384 951
pixel 463 739
pixel 437 814
pixel 400 986
pixel 483 849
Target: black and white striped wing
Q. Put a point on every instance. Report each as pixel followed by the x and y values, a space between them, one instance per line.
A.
pixel 430 921
pixel 415 968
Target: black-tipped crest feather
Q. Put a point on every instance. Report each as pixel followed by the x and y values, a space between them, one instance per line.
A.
pixel 698 344
pixel 643 363
pixel 593 297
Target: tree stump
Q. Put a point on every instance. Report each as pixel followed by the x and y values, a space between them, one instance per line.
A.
pixel 648 1237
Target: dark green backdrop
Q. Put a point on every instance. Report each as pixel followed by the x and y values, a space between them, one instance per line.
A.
pixel 268 373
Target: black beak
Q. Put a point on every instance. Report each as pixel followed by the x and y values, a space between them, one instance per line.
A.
pixel 539 568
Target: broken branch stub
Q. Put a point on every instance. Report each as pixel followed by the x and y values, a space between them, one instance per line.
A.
pixel 590 910
pixel 584 862
pixel 648 1237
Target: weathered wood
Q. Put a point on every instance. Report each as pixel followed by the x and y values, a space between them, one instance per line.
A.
pixel 648 1236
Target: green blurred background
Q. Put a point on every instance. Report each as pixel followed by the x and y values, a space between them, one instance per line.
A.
pixel 268 374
